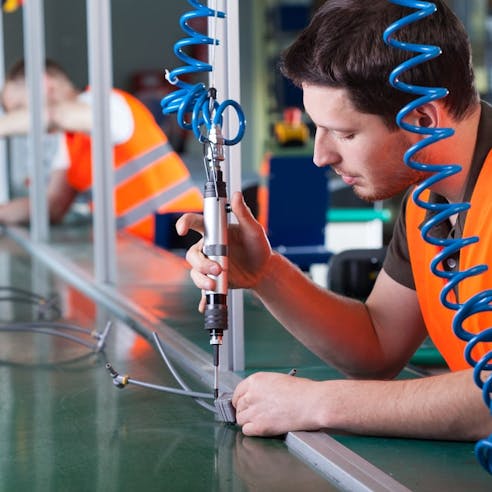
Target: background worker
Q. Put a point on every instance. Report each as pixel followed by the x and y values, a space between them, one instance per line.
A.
pixel 343 66
pixel 149 176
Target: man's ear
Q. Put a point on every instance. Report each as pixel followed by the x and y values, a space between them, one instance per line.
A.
pixel 426 116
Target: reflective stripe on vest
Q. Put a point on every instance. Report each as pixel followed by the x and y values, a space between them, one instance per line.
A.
pixel 130 168
pixel 438 319
pixel 153 204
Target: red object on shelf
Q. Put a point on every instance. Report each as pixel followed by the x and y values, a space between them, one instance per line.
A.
pixel 292 116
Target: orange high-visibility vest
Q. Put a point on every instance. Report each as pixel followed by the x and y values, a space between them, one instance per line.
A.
pixel 149 175
pixel 262 193
pixel 438 319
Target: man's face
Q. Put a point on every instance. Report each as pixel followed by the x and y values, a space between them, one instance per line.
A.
pixel 358 147
pixel 56 89
pixel 14 96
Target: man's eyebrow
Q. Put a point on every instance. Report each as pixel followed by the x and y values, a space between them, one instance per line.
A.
pixel 350 129
pixel 339 129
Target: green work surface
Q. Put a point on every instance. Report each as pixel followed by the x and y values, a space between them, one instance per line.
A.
pixel 114 439
pixel 424 466
pixel 420 465
pixel 64 426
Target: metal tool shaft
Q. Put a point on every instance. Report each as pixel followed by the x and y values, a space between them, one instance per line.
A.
pixel 215 245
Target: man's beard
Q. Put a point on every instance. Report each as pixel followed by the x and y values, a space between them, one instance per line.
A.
pixel 392 188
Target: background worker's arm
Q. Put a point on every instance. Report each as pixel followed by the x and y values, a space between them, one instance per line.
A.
pixel 70 116
pixel 448 406
pixel 76 115
pixel 14 123
pixel 60 196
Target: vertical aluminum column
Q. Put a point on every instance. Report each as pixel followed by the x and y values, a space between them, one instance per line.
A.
pixel 4 181
pixel 100 78
pixel 226 78
pixel 34 55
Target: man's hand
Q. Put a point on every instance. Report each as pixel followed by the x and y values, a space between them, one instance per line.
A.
pixel 60 196
pixel 270 404
pixel 249 249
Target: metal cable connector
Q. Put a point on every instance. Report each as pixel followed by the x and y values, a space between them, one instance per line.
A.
pixel 118 381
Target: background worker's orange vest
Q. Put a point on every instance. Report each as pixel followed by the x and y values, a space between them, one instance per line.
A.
pixel 438 319
pixel 149 176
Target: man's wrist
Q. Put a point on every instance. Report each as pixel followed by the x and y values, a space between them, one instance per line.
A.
pixel 275 270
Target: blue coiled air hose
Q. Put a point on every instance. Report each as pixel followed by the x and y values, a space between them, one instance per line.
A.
pixel 482 301
pixel 195 99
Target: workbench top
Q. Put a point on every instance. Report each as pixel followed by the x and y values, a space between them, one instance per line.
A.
pixel 65 426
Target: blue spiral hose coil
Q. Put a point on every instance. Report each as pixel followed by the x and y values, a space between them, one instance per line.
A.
pixel 195 99
pixel 482 301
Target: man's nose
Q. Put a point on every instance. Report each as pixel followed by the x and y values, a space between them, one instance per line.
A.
pixel 325 154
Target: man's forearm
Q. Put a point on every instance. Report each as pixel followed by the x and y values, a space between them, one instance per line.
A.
pixel 15 212
pixel 337 329
pixel 14 123
pixel 70 116
pixel 448 406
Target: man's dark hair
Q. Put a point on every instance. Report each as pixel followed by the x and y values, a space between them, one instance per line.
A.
pixel 18 70
pixel 343 47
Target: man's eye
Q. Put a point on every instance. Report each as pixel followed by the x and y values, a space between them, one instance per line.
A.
pixel 345 136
